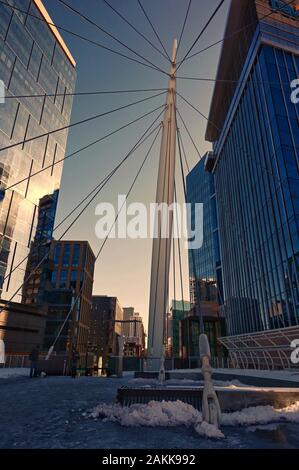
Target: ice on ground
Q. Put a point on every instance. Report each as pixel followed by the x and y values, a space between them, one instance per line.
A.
pixel 261 415
pixel 8 373
pixel 217 383
pixel 177 413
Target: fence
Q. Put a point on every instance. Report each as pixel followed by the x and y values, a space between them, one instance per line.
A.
pixel 139 364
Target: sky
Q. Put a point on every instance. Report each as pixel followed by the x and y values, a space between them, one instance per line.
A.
pixel 123 269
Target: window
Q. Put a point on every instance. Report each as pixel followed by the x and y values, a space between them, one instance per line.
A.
pixel 54 278
pixel 73 279
pixel 63 279
pixel 76 255
pixel 66 254
pixel 57 253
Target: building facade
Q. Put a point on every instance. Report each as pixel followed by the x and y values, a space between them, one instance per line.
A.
pixel 128 312
pixel 133 332
pixel 106 328
pixel 72 270
pixel 214 328
pixel 34 60
pixel 204 262
pixel 22 327
pixel 38 265
pixel 254 127
pixel 178 309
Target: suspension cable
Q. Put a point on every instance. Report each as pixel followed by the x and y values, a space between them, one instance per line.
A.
pixel 215 80
pixel 229 36
pixel 93 23
pixel 91 144
pixel 102 185
pixel 107 236
pixel 179 252
pixel 85 93
pixel 79 36
pixel 184 25
pixel 197 299
pixel 197 110
pixel 188 132
pixel 154 29
pixel 201 33
pixel 77 123
pixel 135 29
pixel 184 153
pixel 98 188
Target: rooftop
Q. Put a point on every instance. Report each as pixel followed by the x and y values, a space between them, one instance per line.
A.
pixel 41 8
pixel 243 19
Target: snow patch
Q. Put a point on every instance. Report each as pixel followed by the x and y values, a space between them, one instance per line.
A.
pixel 170 414
pixel 208 430
pixel 164 414
pixel 261 415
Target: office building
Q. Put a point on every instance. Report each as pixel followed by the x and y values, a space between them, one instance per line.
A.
pixel 254 128
pixel 133 332
pixel 204 262
pixel 106 328
pixel 38 269
pixel 72 270
pixel 34 60
pixel 128 312
pixel 214 328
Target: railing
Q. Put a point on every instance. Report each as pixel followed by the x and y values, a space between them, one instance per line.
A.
pixel 139 364
pixel 16 361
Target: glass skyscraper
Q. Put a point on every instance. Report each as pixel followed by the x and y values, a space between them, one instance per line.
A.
pixel 254 127
pixel 204 263
pixel 34 60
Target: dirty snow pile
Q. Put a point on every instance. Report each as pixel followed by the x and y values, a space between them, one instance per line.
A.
pixel 171 414
pixel 261 415
pixel 167 414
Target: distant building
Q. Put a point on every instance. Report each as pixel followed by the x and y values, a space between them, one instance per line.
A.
pixel 105 329
pixel 37 269
pixel 177 312
pixel 134 333
pixel 214 328
pixel 72 268
pixel 128 313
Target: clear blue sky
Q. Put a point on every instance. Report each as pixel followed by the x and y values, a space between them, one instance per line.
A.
pixel 124 267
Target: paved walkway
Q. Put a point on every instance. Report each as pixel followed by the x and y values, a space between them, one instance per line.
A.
pixel 47 413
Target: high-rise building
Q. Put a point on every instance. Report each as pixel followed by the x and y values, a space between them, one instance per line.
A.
pixel 254 127
pixel 128 313
pixel 106 327
pixel 34 60
pixel 38 265
pixel 72 267
pixel 204 262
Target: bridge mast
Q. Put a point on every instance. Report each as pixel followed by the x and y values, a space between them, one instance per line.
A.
pixel 161 253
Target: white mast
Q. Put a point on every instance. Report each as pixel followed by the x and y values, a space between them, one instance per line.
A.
pixel 161 253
